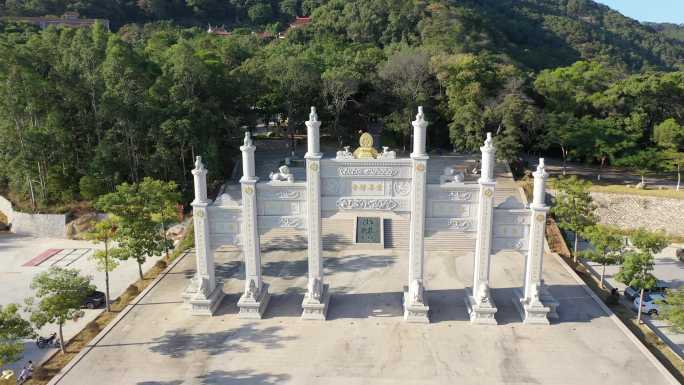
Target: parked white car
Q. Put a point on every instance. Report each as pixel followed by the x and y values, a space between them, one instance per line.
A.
pixel 650 305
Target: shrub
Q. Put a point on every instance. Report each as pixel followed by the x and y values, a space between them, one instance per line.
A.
pixel 161 264
pixel 90 187
pixel 39 373
pixel 132 291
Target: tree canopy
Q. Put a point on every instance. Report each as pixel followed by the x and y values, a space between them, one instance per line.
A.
pixel 83 110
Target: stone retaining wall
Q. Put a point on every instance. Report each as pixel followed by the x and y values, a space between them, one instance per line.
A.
pixel 634 211
pixel 39 225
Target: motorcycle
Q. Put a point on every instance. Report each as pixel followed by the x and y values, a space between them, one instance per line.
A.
pixel 23 378
pixel 51 341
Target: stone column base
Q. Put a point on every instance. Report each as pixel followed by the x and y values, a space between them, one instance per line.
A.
pixel 200 304
pixel 315 310
pixel 547 299
pixel 254 309
pixel 535 314
pixel 480 314
pixel 416 312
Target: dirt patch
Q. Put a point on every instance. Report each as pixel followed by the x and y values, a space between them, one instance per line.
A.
pixel 4 223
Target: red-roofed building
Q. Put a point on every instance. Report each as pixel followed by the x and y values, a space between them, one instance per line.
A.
pixel 219 31
pixel 300 22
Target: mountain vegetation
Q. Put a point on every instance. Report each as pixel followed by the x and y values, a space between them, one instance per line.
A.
pixel 82 110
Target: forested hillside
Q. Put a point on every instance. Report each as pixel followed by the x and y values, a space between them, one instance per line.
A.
pixel 82 110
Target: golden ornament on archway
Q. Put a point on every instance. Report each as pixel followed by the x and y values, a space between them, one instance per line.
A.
pixel 366 150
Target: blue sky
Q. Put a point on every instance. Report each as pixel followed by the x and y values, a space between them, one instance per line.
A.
pixel 671 11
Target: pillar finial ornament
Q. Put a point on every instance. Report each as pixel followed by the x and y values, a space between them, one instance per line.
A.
pixel 488 153
pixel 313 135
pixel 199 166
pixel 199 174
pixel 539 193
pixel 419 134
pixel 248 167
pixel 248 140
pixel 489 142
pixel 313 117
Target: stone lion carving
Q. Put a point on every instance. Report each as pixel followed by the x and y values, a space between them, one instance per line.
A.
pixel 315 289
pixel 283 174
pixel 387 154
pixel 345 154
pixel 483 293
pixel 451 176
pixel 416 292
pixel 535 295
pixel 251 290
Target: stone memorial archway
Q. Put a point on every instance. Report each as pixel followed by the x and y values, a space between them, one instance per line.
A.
pixel 370 188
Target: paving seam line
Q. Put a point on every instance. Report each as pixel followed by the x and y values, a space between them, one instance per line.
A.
pixel 65 370
pixel 662 336
pixel 666 373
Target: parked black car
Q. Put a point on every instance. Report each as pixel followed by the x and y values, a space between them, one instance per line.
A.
pixel 94 300
pixel 632 292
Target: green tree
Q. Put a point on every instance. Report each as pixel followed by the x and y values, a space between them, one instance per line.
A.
pixel 636 272
pixel 104 232
pixel 573 206
pixel 260 13
pixel 643 162
pixel 649 241
pixel 670 136
pixel 406 73
pixel 673 309
pixel 141 209
pixel 607 245
pixel 61 293
pixel 13 329
pixel 339 84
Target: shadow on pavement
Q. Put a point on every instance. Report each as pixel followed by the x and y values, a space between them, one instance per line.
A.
pixel 241 377
pixel 365 305
pixel 178 343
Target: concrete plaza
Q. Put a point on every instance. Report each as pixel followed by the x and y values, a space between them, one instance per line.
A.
pixel 365 340
pixel 15 278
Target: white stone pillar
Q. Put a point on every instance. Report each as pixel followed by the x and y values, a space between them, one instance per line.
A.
pixel 530 301
pixel 203 295
pixel 415 302
pixel 255 299
pixel 317 298
pixel 479 301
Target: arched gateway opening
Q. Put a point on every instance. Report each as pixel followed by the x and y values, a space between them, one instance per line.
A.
pixel 371 200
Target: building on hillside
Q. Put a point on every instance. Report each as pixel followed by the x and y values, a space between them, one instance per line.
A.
pixel 300 22
pixel 68 19
pixel 219 31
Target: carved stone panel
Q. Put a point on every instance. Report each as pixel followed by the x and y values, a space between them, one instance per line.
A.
pixel 366 204
pixel 367 188
pixel 511 230
pixel 373 172
pixel 449 209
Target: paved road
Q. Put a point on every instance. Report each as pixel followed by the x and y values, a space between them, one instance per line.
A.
pixel 609 175
pixel 667 268
pixel 15 279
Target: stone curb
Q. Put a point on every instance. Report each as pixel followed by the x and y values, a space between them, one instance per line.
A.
pixel 663 337
pixel 663 370
pixel 65 370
